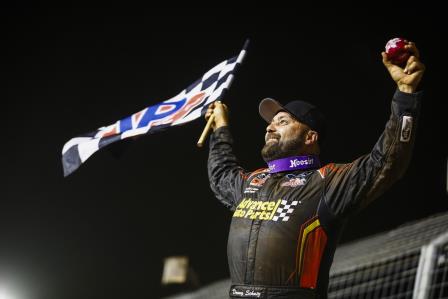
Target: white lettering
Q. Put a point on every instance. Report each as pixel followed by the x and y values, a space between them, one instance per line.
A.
pixel 253 294
pixel 296 162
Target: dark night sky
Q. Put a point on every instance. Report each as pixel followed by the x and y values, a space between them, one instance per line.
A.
pixel 103 231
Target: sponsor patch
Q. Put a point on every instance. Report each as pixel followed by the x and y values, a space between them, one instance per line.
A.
pixel 294 182
pixel 259 180
pixel 251 190
pixel 256 209
pixel 278 210
pixel 406 129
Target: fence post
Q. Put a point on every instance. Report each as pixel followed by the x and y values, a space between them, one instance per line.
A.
pixel 425 269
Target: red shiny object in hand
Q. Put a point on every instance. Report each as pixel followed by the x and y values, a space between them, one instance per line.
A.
pixel 396 52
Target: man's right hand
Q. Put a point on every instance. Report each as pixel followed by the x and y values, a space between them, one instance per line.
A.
pixel 220 112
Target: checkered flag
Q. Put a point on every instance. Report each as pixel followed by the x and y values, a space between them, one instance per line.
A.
pixel 188 105
pixel 285 209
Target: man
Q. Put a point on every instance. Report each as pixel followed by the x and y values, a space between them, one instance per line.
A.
pixel 288 217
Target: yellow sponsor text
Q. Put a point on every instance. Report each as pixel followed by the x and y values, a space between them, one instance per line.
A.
pixel 256 209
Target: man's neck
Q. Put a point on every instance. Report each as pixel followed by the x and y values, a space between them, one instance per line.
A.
pixel 294 163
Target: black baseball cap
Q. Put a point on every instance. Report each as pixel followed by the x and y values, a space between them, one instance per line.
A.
pixel 302 111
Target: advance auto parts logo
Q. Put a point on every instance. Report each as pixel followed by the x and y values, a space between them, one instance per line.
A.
pixel 265 210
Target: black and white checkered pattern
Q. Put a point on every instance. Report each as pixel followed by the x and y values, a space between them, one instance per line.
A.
pixel 284 210
pixel 188 105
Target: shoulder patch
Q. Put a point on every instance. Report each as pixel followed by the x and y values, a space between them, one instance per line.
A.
pixel 406 129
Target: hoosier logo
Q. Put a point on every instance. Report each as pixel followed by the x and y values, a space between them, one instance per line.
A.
pixel 296 162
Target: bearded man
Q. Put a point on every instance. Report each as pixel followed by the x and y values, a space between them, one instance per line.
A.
pixel 288 217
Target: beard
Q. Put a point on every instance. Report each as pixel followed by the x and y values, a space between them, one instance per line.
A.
pixel 282 149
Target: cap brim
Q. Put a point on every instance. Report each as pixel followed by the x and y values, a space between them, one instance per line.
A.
pixel 268 108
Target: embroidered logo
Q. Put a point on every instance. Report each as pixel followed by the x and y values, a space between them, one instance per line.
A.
pixel 259 180
pixel 295 182
pixel 278 210
pixel 251 190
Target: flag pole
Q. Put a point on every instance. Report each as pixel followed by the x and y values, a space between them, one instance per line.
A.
pixel 206 130
pixel 208 126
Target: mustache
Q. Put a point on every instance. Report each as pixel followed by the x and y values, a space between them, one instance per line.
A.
pixel 272 135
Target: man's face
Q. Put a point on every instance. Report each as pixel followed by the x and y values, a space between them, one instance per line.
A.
pixel 285 136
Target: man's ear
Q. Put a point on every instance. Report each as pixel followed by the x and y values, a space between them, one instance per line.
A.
pixel 311 137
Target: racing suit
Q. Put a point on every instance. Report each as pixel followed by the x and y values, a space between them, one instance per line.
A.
pixel 285 226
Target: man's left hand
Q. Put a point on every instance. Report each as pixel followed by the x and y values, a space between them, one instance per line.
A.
pixel 408 78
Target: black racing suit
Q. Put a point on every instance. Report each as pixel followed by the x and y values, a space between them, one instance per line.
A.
pixel 286 225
